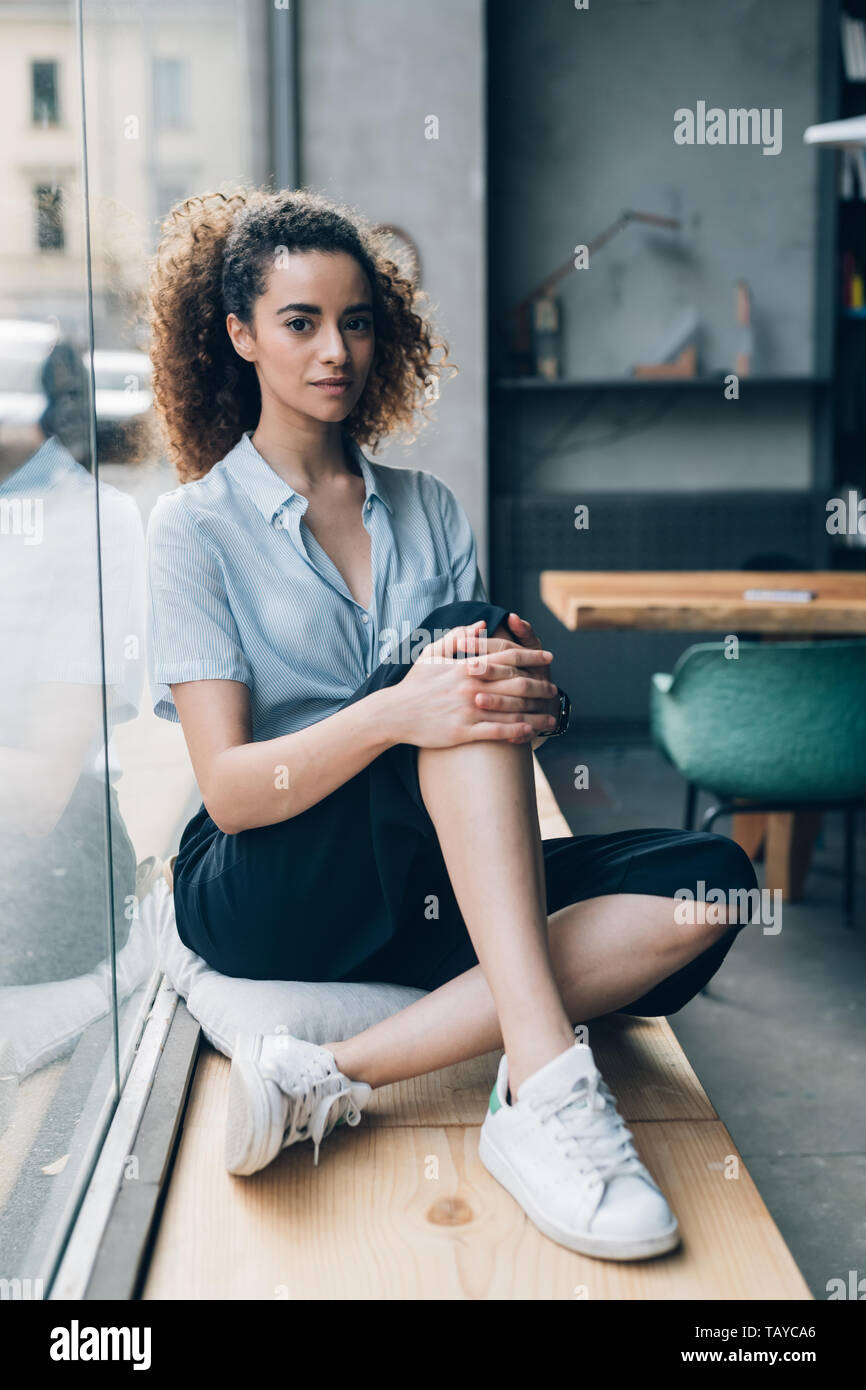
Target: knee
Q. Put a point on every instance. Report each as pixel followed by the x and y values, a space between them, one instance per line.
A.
pixel 728 880
pixel 728 863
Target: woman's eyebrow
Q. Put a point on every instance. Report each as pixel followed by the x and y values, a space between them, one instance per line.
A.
pixel 316 309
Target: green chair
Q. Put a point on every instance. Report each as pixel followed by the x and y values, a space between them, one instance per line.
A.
pixel 782 725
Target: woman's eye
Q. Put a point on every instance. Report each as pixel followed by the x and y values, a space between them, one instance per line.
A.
pixel 356 325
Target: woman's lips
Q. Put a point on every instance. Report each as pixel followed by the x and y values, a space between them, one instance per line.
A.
pixel 332 388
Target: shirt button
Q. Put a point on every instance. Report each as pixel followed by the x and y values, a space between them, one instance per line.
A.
pixel 365 618
pixel 369 505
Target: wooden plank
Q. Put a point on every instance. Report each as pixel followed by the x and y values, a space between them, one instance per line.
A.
pixel 640 1059
pixel 411 1213
pixel 704 600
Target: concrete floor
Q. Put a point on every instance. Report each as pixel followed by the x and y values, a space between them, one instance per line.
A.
pixel 778 1042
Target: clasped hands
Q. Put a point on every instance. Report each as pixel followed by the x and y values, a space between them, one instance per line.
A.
pixel 506 685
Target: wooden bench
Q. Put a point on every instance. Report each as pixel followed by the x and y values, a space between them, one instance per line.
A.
pixel 402 1208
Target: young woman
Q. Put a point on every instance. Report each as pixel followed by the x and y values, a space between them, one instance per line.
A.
pixel 360 720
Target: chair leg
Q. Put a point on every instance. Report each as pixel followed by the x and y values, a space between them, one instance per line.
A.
pixel 712 814
pixel 691 801
pixel 850 845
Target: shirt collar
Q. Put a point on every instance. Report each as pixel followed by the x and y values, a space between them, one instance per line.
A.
pixel 271 493
pixel 43 469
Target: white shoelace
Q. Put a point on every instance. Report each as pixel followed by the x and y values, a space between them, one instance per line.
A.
pixel 315 1113
pixel 588 1115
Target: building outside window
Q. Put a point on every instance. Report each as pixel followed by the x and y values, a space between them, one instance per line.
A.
pixel 45 90
pixel 170 93
pixel 49 217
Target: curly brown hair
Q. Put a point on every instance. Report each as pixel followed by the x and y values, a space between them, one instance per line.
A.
pixel 213 259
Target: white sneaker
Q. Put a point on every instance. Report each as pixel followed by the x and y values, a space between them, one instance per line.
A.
pixel 281 1090
pixel 564 1153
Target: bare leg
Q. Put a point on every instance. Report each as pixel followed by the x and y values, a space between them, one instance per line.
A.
pixel 481 798
pixel 605 952
pixel 608 951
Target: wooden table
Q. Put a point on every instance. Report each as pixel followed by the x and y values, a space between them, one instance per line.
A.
pixel 705 601
pixel 712 601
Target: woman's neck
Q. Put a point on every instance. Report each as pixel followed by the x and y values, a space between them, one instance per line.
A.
pixel 302 458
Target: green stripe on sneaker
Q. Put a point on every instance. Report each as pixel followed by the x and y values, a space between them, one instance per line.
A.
pixel 495 1102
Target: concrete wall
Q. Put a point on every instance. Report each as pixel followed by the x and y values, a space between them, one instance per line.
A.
pixel 582 127
pixel 581 121
pixel 369 76
pixel 582 124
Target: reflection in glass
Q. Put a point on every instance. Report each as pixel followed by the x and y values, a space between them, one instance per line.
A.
pixel 93 787
pixel 56 976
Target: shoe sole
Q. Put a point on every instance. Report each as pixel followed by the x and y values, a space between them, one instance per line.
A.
pixel 250 1120
pixel 600 1246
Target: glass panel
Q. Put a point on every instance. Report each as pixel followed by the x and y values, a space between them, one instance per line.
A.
pixel 58 1060
pixel 94 789
pixel 158 129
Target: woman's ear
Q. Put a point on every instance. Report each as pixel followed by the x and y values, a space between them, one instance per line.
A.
pixel 242 340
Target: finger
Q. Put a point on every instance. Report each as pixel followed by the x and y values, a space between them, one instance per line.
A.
pixel 473 641
pixel 504 733
pixel 539 720
pixel 518 687
pixel 449 643
pixel 517 656
pixel 524 627
pixel 488 670
pixel 505 680
pixel 483 642
pixel 534 705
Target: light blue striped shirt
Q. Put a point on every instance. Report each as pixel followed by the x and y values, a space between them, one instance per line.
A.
pixel 240 589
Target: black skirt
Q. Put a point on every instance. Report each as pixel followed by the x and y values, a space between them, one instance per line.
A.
pixel 355 888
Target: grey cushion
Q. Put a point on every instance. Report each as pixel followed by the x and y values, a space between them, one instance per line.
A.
pixel 225 1007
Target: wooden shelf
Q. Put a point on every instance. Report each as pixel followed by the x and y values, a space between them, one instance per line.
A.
pixel 626 383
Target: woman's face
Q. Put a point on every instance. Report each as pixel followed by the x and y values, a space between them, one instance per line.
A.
pixel 313 324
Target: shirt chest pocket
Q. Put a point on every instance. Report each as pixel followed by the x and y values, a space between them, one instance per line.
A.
pixel 408 604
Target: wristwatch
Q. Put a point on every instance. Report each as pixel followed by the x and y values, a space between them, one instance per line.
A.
pixel 564 717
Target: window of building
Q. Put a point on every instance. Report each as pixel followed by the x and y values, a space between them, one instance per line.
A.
pixel 49 217
pixel 46 93
pixel 170 93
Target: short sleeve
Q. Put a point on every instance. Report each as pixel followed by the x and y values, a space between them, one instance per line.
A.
pixel 462 549
pixel 191 632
